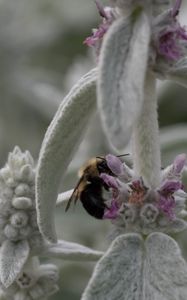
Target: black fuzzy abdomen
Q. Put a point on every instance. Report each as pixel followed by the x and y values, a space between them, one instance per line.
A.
pixel 91 198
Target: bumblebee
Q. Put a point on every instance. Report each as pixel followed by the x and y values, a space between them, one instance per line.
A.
pixel 89 189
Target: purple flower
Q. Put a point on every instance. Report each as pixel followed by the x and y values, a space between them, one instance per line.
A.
pixel 172 40
pixel 97 35
pixel 114 164
pixel 113 211
pixel 167 206
pixel 166 201
pixel 179 163
pixel 170 187
pixel 95 40
pixel 110 181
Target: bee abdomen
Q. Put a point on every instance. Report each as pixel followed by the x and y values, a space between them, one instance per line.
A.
pixel 92 201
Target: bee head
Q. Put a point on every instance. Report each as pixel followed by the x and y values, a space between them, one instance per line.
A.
pixel 102 166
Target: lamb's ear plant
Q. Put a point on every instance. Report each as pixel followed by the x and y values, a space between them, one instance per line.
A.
pixel 60 143
pixel 138 42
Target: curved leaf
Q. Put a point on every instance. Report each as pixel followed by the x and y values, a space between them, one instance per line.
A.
pixel 122 70
pixel 60 143
pixel 117 275
pixel 71 251
pixel 13 256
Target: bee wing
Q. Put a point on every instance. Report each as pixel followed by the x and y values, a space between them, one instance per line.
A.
pixel 74 196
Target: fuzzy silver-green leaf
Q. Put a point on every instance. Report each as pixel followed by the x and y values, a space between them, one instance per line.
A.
pixel 13 256
pixel 136 270
pixel 64 197
pixel 60 143
pixel 122 70
pixel 118 275
pixel 71 251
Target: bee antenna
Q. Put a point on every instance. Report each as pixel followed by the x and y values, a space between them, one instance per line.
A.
pixel 100 157
pixel 116 156
pixel 123 155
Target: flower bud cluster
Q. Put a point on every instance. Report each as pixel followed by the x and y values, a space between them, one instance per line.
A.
pixel 139 208
pixel 17 200
pixel 36 282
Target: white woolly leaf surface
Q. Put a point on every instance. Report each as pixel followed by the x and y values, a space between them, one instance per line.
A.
pixel 64 197
pixel 146 149
pixel 134 270
pixel 118 275
pixel 60 143
pixel 13 256
pixel 122 69
pixel 71 251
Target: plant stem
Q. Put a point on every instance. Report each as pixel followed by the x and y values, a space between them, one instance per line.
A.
pixel 146 146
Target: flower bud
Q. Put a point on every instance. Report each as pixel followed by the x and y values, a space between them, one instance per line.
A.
pixel 25 281
pixel 5 173
pixel 22 189
pixel 11 182
pixel 11 232
pixel 15 161
pixel 29 158
pixel 19 219
pixel 27 173
pixel 22 203
pixel 128 213
pixel 149 213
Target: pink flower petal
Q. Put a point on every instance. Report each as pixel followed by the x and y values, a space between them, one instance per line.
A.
pixel 95 40
pixel 172 37
pixel 114 164
pixel 167 206
pixel 109 180
pixel 179 163
pixel 170 186
pixel 112 212
pixel 170 42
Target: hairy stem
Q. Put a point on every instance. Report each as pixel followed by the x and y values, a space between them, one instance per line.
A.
pixel 147 161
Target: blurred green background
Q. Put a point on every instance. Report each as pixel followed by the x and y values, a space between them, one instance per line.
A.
pixel 41 57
